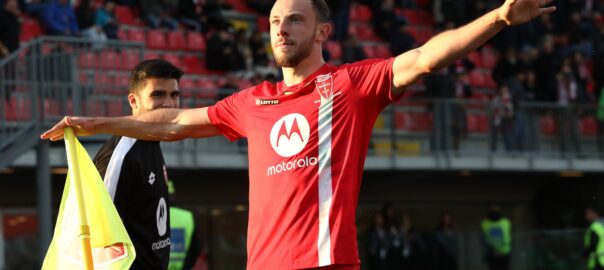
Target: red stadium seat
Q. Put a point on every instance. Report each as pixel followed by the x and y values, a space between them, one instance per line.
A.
pixel 115 109
pixel 124 15
pixel 334 48
pixel 87 60
pixel 489 57
pixel 137 35
pixel 363 31
pixel 129 59
pixel 195 42
pixel 187 85
pixel 477 123
pixel 209 89
pixel 109 60
pixel 548 125
pixel 360 13
pixel 382 51
pixel 122 34
pixel 103 83
pixel 30 28
pixel 176 40
pixel 191 64
pixel 475 58
pixel 477 78
pixel 174 59
pixel 369 51
pixel 94 108
pixel 589 126
pixel 262 22
pixel 156 39
pixel 151 55
pixel 401 120
pixel 417 17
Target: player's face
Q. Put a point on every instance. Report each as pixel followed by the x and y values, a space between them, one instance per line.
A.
pixel 293 27
pixel 155 94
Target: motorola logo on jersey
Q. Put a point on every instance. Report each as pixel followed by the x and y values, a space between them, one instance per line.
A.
pixel 162 217
pixel 290 134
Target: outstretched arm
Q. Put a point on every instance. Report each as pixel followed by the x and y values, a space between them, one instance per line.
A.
pixel 157 125
pixel 450 46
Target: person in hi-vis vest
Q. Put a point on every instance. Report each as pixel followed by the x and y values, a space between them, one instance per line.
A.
pixel 594 239
pixel 185 246
pixel 497 233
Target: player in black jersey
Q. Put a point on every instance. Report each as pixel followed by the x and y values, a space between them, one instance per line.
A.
pixel 134 171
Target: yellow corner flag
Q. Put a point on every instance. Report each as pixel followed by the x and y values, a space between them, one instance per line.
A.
pixel 89 230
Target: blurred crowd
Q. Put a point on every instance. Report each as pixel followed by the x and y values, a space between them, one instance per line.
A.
pixel 558 58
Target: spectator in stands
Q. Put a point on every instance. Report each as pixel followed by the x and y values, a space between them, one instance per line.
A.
pixel 261 6
pixel 440 85
pixel 401 40
pixel 60 19
pixel 212 14
pixel 502 118
pixel 507 66
pixel 567 113
pixel 413 246
pixel 340 17
pixel 258 47
pixel 600 117
pixel 86 20
pixel 158 13
pixel 352 50
pixel 546 68
pixel 190 14
pixel 446 244
pixel 221 51
pixel 378 244
pixel 105 19
pixel 10 27
pixel 463 90
pixel 384 19
pixel 516 84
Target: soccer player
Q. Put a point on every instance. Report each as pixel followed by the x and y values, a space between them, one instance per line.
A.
pixel 308 135
pixel 134 171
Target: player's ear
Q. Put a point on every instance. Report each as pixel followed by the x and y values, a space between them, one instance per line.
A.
pixel 133 101
pixel 323 31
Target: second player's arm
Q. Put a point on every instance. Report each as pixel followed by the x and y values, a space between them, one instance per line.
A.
pixel 157 125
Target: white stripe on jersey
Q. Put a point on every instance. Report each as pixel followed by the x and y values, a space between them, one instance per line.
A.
pixel 112 175
pixel 325 188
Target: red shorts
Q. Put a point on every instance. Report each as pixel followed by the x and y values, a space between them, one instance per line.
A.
pixel 338 267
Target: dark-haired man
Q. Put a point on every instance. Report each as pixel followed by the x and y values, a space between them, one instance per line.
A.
pixel 134 171
pixel 308 135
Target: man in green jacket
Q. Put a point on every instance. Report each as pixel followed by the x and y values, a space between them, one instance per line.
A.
pixel 185 246
pixel 497 233
pixel 594 239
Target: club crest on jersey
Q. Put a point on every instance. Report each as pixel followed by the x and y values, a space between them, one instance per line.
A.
pixel 290 135
pixel 324 85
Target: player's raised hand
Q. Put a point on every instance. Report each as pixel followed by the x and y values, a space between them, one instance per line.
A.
pixel 520 11
pixel 82 126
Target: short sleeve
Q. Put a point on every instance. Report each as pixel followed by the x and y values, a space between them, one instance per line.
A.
pixel 373 78
pixel 227 115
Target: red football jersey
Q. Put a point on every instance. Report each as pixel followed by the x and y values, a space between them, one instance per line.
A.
pixel 307 149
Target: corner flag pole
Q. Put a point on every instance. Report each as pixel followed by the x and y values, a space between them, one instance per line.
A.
pixel 74 172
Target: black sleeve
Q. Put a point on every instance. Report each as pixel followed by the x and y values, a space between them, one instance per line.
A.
pixel 193 252
pixel 593 244
pixel 101 160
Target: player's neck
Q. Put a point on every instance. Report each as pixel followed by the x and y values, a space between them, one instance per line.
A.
pixel 297 74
